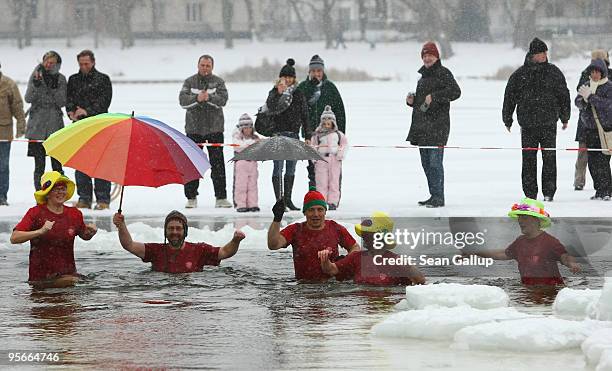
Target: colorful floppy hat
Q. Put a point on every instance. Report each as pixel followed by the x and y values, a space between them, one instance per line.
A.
pixel 48 181
pixel 531 207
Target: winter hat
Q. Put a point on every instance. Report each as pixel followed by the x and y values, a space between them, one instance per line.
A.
pixel 328 114
pixel 601 54
pixel 288 69
pixel 430 48
pixel 313 198
pixel 531 207
pixel 176 215
pixel 316 62
pixel 48 181
pixel 245 121
pixel 600 65
pixel 537 46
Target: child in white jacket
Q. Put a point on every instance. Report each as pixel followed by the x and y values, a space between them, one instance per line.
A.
pixel 245 172
pixel 331 144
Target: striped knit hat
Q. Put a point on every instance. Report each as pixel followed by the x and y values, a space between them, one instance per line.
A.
pixel 328 114
pixel 313 198
pixel 316 62
pixel 245 121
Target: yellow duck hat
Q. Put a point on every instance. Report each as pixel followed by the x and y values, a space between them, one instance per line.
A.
pixel 378 222
pixel 48 181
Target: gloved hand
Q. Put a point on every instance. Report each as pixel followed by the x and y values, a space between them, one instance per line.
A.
pixel 585 92
pixel 278 210
pixel 20 133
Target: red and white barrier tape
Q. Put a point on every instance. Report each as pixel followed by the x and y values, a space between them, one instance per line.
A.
pixel 578 149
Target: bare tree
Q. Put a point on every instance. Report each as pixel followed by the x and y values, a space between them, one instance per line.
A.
pixel 251 19
pixel 227 10
pixel 155 17
pixel 363 18
pixel 22 11
pixel 522 15
pixel 328 26
pixel 433 23
pixel 303 33
pixel 322 11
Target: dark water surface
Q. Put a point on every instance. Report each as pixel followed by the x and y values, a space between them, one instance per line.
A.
pixel 247 314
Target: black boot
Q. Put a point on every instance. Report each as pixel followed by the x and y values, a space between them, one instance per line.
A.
pixel 288 188
pixel 276 185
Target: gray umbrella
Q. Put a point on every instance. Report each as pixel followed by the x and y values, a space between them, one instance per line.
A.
pixel 278 148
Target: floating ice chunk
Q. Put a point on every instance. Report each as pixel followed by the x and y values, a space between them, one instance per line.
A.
pixel 454 294
pixel 439 323
pixel 594 346
pixel 526 335
pixel 605 363
pixel 575 303
pixel 603 309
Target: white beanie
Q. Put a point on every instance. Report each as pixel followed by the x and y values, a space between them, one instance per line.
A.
pixel 245 121
pixel 328 114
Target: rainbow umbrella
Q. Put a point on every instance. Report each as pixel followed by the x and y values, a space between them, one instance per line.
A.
pixel 128 150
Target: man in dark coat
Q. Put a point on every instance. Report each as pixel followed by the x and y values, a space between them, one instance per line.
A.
pixel 431 119
pixel 320 92
pixel 89 93
pixel 539 93
pixel 581 160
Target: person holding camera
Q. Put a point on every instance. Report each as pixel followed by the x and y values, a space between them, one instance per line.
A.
pixel 431 119
pixel 89 94
pixel 46 92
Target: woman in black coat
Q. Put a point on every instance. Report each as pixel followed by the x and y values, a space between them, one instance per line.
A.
pixel 289 112
pixel 431 119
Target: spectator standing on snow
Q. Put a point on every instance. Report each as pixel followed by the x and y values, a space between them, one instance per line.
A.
pixel 89 94
pixel 595 103
pixel 320 92
pixel 46 92
pixel 11 105
pixel 245 172
pixel 203 96
pixel 331 144
pixel 289 114
pixel 538 92
pixel 431 119
pixel 582 158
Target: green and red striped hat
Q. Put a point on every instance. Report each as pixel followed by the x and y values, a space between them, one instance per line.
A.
pixel 313 198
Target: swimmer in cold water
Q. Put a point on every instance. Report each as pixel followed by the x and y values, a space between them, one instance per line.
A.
pixel 536 251
pixel 51 228
pixel 176 255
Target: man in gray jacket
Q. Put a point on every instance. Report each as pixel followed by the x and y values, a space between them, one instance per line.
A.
pixel 203 95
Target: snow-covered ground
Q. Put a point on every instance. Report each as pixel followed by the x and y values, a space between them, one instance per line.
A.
pixel 478 182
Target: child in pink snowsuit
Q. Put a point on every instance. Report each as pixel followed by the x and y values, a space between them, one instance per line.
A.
pixel 331 144
pixel 245 172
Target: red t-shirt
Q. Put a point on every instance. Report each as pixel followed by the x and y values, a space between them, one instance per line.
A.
pixel 306 244
pixel 192 257
pixel 537 259
pixel 359 266
pixel 52 254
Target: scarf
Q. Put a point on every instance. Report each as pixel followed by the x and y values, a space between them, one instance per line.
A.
pixel 593 85
pixel 284 101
